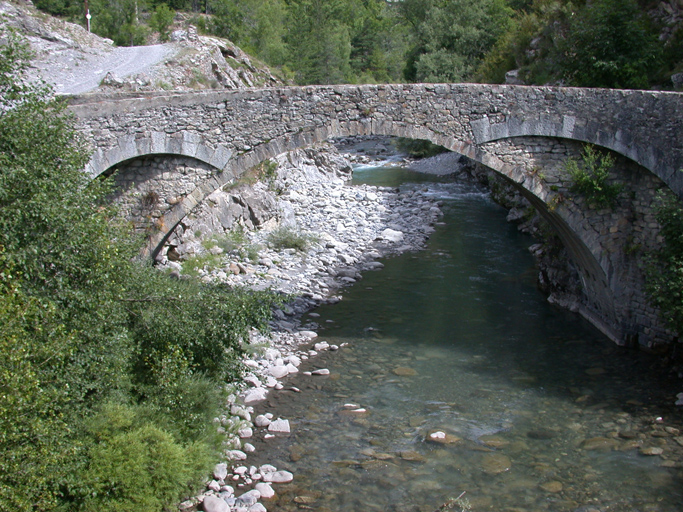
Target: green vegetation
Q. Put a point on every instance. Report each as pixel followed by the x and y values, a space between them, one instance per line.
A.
pixel 161 20
pixel 665 269
pixel 288 238
pixel 602 43
pixel 418 148
pixel 597 43
pixel 590 177
pixel 110 372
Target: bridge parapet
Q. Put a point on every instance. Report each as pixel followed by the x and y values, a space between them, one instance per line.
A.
pixel 644 126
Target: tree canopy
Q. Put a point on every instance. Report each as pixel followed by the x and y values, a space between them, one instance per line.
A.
pixel 599 43
pixel 105 363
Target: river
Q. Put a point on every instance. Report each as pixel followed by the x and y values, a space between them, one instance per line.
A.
pixel 455 376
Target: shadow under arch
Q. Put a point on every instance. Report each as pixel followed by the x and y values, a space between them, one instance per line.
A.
pixel 149 143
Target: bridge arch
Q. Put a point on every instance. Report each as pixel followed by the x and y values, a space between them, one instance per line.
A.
pixel 594 277
pixel 141 144
pixel 235 130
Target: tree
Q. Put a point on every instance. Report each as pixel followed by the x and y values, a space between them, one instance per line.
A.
pixel 161 20
pixel 319 41
pixel 610 44
pixel 452 37
pixel 119 20
pixel 84 323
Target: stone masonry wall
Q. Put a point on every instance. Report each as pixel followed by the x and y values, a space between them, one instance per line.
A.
pixel 618 238
pixel 522 133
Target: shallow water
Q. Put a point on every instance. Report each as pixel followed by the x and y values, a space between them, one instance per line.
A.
pixel 471 383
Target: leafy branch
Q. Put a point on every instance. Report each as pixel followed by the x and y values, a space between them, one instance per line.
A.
pixel 590 175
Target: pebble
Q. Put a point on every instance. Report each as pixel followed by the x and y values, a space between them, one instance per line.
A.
pixel 441 437
pixel 402 371
pixel 236 455
pixel 245 432
pixel 280 426
pixel 220 471
pixel 651 450
pixel 278 477
pixel 552 486
pixel 265 489
pixel 599 443
pixel 214 504
pixel 255 395
pixel 495 463
pixel 322 371
pixel 262 421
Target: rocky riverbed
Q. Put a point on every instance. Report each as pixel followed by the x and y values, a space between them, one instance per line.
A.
pixel 315 234
pixel 335 232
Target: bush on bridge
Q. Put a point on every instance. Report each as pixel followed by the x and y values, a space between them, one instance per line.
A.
pixel 590 176
pixel 85 324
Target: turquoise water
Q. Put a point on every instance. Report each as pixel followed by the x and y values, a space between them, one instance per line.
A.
pixel 472 383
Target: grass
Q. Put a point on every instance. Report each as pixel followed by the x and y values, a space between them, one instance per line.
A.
pixel 289 238
pixel 235 241
pixel 204 261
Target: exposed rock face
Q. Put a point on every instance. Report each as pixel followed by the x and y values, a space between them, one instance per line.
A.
pixel 255 205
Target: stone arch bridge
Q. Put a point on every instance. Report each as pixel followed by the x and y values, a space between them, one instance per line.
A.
pixel 525 134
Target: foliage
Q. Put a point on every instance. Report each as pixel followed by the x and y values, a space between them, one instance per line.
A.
pixel 418 148
pixel 119 20
pixel 604 43
pixel 33 347
pixel 258 26
pixel 599 43
pixel 452 36
pixel 590 177
pixel 184 328
pixel 610 44
pixel 85 323
pixel 137 466
pixel 161 20
pixel 289 238
pixel 665 269
pixel 235 241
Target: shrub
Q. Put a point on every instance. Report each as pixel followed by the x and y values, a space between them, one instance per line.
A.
pixel 135 466
pixel 289 238
pixel 665 267
pixel 161 19
pixel 590 177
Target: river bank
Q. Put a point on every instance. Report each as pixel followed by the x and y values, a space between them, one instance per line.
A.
pixel 316 234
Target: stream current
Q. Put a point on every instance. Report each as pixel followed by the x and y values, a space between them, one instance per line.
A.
pixel 457 376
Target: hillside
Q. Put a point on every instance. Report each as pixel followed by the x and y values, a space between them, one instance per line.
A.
pixel 75 61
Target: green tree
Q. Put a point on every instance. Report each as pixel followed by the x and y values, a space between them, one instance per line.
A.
pixel 161 20
pixel 119 20
pixel 83 323
pixel 533 43
pixel 319 41
pixel 610 44
pixel 452 37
